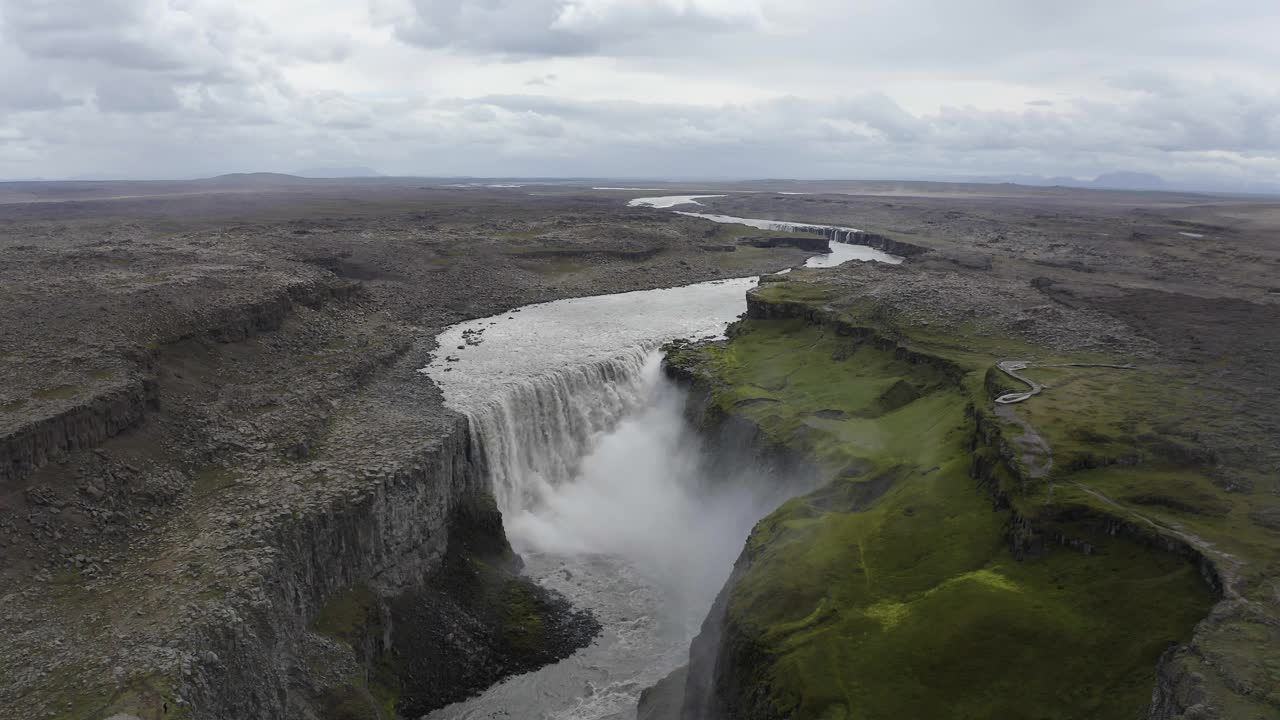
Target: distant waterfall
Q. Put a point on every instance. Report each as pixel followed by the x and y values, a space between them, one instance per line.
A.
pixel 879 246
pixel 832 232
pixel 534 433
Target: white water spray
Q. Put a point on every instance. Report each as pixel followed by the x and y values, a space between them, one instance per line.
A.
pixel 605 489
pixel 534 434
pixel 612 498
pixel 645 490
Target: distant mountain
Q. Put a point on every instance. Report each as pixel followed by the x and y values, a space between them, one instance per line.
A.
pixel 354 171
pixel 1128 181
pixel 257 179
pixel 1107 181
pixel 1123 180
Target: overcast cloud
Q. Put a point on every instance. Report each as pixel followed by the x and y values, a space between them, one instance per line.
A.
pixel 676 88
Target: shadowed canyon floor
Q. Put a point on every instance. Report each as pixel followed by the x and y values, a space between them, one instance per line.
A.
pixel 224 486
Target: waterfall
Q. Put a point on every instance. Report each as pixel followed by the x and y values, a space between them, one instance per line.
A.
pixel 850 243
pixel 600 459
pixel 833 232
pixel 609 494
pixel 534 433
pixel 612 498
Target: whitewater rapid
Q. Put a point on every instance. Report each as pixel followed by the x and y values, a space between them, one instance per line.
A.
pixel 605 490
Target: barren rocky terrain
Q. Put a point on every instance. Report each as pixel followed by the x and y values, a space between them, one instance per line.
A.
pixel 220 469
pixel 212 420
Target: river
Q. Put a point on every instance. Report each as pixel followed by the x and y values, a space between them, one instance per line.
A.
pixel 605 490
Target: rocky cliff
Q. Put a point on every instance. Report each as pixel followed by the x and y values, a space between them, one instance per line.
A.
pixel 79 425
pixel 874 240
pixel 321 574
pixel 399 600
pixel 386 533
pixel 804 586
pixel 808 244
pixel 81 416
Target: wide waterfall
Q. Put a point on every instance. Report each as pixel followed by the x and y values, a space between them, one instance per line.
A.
pixel 848 243
pixel 606 491
pixel 601 460
pixel 613 499
pixel 534 434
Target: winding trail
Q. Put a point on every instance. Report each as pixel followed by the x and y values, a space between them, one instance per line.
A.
pixel 1013 369
pixel 1227 565
pixel 1036 449
pixel 1038 458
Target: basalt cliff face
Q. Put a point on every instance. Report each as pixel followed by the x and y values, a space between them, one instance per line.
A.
pixel 941 572
pixel 319 575
pixel 874 240
pixel 808 244
pixel 227 491
pixel 80 417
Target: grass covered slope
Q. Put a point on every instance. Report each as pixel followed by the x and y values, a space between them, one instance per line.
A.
pixel 894 591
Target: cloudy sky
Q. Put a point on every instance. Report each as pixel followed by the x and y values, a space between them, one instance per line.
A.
pixel 1187 89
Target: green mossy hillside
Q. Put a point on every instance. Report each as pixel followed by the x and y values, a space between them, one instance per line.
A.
pixel 892 592
pixel 1122 444
pixel 355 617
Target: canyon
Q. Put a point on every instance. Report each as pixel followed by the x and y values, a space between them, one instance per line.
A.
pixel 254 460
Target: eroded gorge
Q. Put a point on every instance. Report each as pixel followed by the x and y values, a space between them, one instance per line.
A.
pixel 569 459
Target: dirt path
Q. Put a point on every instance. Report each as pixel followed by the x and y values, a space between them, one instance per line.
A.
pixel 1013 369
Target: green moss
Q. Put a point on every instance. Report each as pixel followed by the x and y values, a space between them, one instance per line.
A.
pixel 143 697
pixel 333 346
pixel 384 687
pixel 213 479
pixel 59 392
pixel 916 609
pixel 13 405
pixel 350 702
pixel 354 617
pixel 348 615
pixel 1097 416
pixel 485 504
pixel 553 267
pixel 524 235
pixel 891 592
pixel 1126 446
pixel 829 376
pixel 1144 423
pixel 521 615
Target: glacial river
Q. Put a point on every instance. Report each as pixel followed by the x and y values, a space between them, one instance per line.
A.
pixel 604 489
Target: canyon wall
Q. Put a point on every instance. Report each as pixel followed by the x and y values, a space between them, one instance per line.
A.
pixel 732 672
